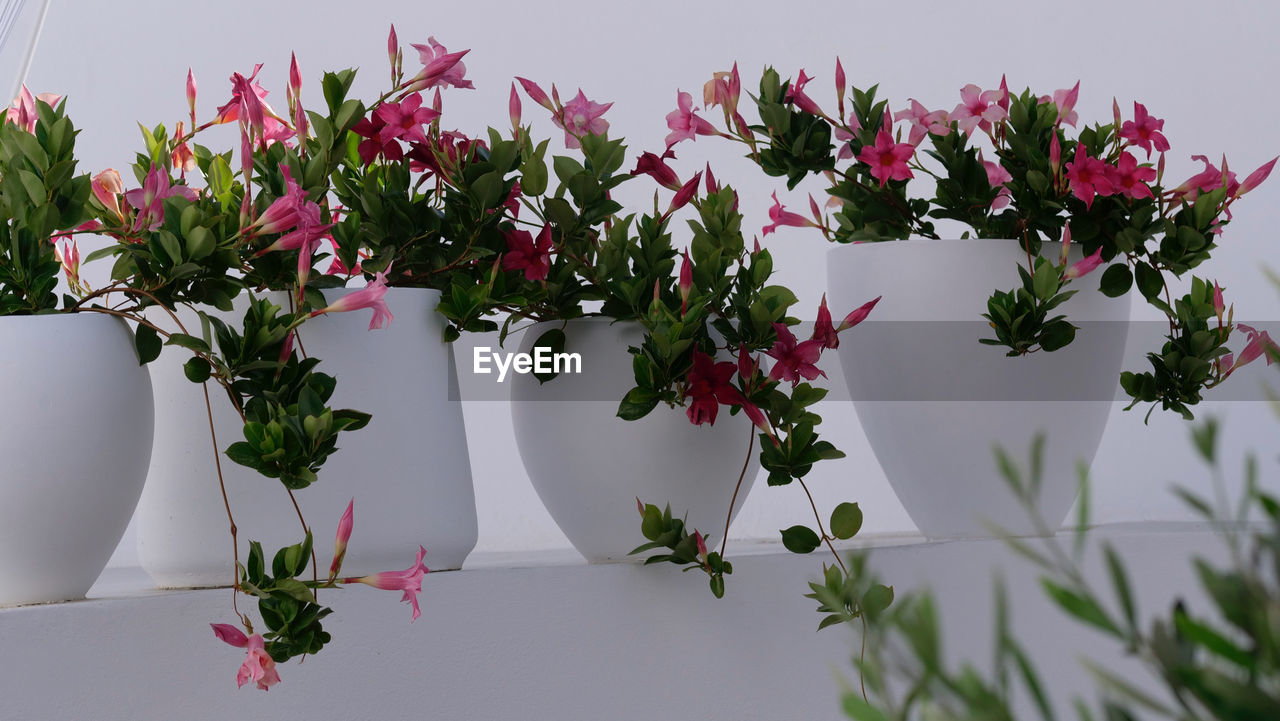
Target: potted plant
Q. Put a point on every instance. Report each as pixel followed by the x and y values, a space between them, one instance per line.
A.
pixel 274 244
pixel 1031 188
pixel 70 480
pixel 657 333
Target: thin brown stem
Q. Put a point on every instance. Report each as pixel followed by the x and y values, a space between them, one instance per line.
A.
pixel 821 531
pixel 751 442
pixel 226 502
pixel 315 572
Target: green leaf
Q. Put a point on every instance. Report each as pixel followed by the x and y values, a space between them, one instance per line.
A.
pixel 148 344
pixel 876 600
pixel 800 539
pixel 554 341
pixel 717 585
pixel 859 710
pixel 846 520
pixel 1150 283
pixel 1082 607
pixel 637 404
pixel 1120 580
pixel 1116 280
pixel 197 369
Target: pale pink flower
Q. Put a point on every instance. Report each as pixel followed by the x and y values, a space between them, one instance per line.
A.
pixel 513 108
pixel 923 121
pixel 977 109
pixel 795 94
pixel 1218 304
pixel 371 296
pixel 1065 102
pixel 781 216
pixel 1211 178
pixel 1259 344
pixel 258 665
pixel 107 187
pixel 440 67
pixel 684 124
pixel 581 117
pixel 149 199
pixel 997 176
pixel 408 580
pixel 22 112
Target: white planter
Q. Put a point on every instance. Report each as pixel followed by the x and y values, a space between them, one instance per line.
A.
pixel 408 470
pixel 933 401
pixel 75 438
pixel 589 466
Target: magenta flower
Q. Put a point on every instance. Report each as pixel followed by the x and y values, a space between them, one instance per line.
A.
pixel 1084 266
pixel 781 216
pixel 404 120
pixel 524 253
pixel 792 360
pixel 340 539
pixel 858 315
pixel 258 665
pixel 977 109
pixel 1131 179
pixel 656 167
pixel 371 296
pixel 1144 130
pixel 581 117
pixel 248 102
pixel 888 160
pixel 824 332
pixel 840 85
pixel 149 199
pixel 372 146
pixel 408 580
pixel 923 121
pixel 795 94
pixel 1088 176
pixel 684 124
pixel 709 387
pixel 439 67
pixel 685 193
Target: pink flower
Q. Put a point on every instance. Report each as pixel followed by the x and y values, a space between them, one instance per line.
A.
pixel 404 120
pixel 656 167
pixel 823 331
pixel 408 580
pixel 685 283
pixel 888 160
pixel 1084 266
pixel 182 157
pixel 343 535
pixel 107 188
pixel 1144 130
pixel 781 216
pixel 1259 343
pixel 793 360
pixel 977 109
pixel 371 296
pixel 1088 176
pixel 258 665
pixel 723 89
pixel 795 94
pixel 283 213
pixel 149 199
pixel 524 253
pixel 684 124
pixel 581 117
pixel 1131 179
pixel 22 112
pixel 1065 102
pixel 440 67
pixel 1211 178
pixel 997 176
pixel 709 387
pixel 923 121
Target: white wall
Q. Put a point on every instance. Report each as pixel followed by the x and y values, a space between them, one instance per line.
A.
pixel 1207 68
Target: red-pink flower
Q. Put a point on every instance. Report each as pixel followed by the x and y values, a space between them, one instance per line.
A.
pixel 793 360
pixel 709 387
pixel 923 121
pixel 371 296
pixel 977 109
pixel 684 124
pixel 440 67
pixel 1065 102
pixel 408 580
pixel 685 193
pixel 1088 176
pixel 888 160
pixel 656 167
pixel 1085 265
pixel 781 216
pixel 404 120
pixel 823 330
pixel 1144 130
pixel 795 94
pixel 524 253
pixel 1131 179
pixel 581 117
pixel 343 535
pixel 858 315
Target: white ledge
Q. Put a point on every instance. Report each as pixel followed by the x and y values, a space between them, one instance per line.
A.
pixel 545 635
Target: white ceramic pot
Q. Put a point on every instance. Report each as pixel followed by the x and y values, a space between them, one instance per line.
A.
pixel 933 402
pixel 589 466
pixel 75 437
pixel 408 470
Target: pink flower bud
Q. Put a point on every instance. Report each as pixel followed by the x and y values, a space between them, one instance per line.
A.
pixel 700 543
pixel 1066 243
pixel 1255 178
pixel 536 94
pixel 191 95
pixel 712 186
pixel 840 84
pixel 393 47
pixel 230 634
pixel 340 540
pixel 639 506
pixel 513 108
pixel 1085 266
pixel 858 315
pixel 1218 305
pixel 295 76
pixel 686 282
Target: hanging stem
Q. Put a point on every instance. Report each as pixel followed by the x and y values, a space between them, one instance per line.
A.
pixel 724 539
pixel 226 503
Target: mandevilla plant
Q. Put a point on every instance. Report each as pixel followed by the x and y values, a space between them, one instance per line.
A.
pixel 1005 166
